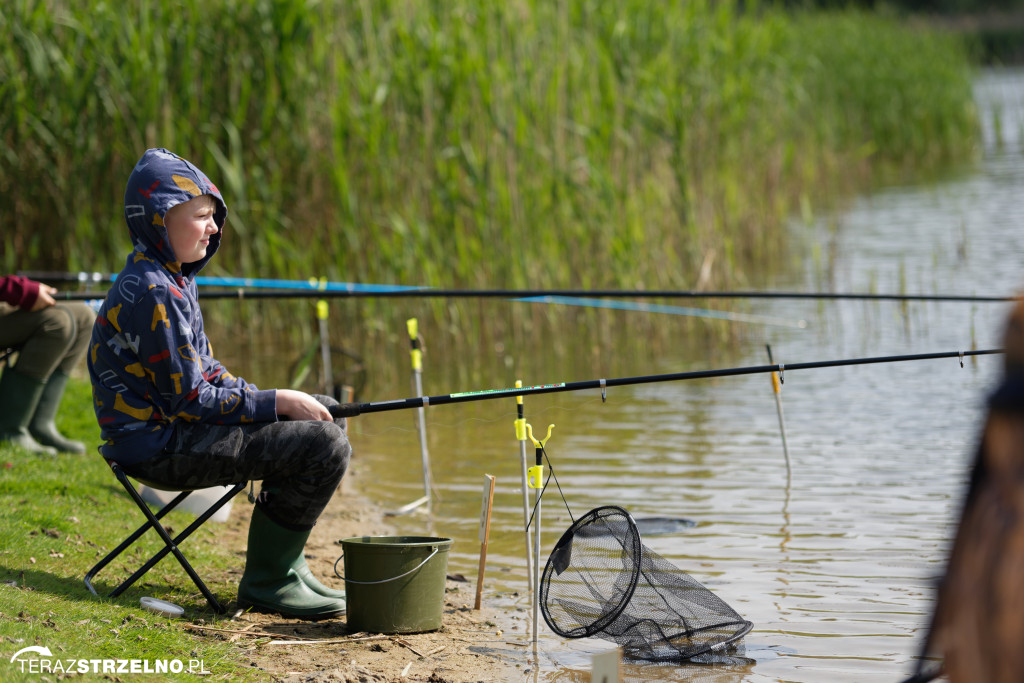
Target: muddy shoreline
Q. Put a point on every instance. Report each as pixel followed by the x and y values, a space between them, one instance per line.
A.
pixel 489 644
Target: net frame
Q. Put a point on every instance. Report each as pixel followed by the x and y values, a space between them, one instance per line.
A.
pixel 616 588
pixel 632 549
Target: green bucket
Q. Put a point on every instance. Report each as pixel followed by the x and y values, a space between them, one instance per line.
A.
pixel 395 584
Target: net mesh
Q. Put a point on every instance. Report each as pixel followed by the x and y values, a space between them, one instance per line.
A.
pixel 602 581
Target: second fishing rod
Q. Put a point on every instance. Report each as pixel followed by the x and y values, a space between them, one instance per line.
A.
pixel 268 288
pixel 354 409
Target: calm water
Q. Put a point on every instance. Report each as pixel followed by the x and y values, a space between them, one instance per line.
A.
pixel 832 560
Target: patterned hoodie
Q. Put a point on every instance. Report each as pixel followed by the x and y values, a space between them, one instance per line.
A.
pixel 149 359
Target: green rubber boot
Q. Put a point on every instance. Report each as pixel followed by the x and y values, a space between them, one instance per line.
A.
pixel 306 576
pixel 271 580
pixel 19 396
pixel 43 426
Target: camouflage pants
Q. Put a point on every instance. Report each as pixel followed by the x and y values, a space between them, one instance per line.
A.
pixel 300 463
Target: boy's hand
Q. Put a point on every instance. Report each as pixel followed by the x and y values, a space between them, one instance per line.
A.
pixel 298 405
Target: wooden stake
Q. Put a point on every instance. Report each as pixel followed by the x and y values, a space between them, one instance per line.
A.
pixel 485 532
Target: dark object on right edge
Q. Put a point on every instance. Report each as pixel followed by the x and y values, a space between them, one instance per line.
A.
pixel 600 580
pixel 978 620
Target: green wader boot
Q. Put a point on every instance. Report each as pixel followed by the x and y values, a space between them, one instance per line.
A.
pixel 306 576
pixel 271 581
pixel 19 396
pixel 43 426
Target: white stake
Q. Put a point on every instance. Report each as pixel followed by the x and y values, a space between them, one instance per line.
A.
pixel 416 355
pixel 521 436
pixel 536 480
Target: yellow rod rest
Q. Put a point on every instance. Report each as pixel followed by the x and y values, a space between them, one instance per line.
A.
pixel 535 477
pixel 521 429
pixel 540 443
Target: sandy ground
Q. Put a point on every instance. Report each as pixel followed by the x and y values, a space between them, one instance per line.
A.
pixel 485 645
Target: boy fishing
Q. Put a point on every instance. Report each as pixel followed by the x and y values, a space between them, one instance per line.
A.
pixel 173 416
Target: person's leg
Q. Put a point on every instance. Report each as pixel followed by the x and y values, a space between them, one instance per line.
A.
pixel 42 338
pixel 300 464
pixel 301 568
pixel 84 317
pixel 43 426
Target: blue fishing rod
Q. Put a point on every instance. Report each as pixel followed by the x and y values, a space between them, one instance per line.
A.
pixel 588 302
pixel 312 285
pixel 250 288
pixel 322 287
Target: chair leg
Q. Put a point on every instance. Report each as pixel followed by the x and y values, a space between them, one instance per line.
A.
pixel 135 535
pixel 170 544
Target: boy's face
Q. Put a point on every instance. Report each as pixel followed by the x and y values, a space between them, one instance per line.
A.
pixel 189 227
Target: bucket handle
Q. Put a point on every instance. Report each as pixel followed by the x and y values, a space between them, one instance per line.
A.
pixel 395 578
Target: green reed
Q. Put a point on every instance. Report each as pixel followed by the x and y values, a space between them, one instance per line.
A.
pixel 464 144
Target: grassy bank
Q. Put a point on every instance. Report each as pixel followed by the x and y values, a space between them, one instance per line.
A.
pixel 524 144
pixel 61 514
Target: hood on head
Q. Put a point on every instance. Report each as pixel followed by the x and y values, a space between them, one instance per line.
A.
pixel 159 181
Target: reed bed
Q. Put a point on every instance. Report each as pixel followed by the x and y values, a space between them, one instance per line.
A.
pixel 464 144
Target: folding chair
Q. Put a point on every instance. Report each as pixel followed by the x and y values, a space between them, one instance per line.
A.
pixel 170 544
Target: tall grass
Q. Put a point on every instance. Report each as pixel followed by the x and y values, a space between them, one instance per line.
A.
pixel 520 144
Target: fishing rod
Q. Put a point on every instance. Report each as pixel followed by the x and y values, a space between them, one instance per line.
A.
pixel 549 295
pixel 354 409
pixel 588 302
pixel 324 288
pixel 311 286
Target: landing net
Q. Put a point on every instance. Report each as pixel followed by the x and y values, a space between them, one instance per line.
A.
pixel 601 580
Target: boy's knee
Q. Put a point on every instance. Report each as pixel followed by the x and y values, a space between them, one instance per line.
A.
pixel 335 447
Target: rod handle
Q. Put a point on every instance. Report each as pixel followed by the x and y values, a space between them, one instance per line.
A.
pixel 345 410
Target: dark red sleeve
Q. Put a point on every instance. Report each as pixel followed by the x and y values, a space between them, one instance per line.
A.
pixel 18 291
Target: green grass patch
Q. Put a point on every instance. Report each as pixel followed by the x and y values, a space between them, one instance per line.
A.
pixel 61 515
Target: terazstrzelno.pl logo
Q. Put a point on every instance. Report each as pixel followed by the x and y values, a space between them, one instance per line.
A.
pixel 45 663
